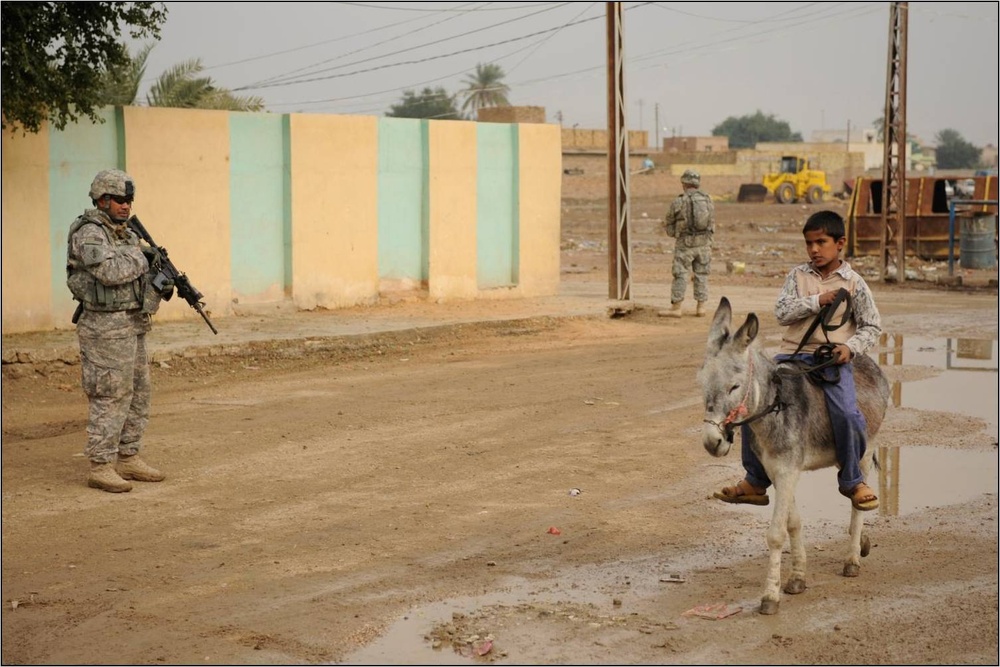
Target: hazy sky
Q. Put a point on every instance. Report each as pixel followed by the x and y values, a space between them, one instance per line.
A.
pixel 816 65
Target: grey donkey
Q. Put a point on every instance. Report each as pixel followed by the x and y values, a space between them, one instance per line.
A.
pixel 788 417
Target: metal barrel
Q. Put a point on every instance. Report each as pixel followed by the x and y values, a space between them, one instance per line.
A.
pixel 977 247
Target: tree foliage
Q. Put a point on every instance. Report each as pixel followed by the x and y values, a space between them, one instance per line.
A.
pixel 879 126
pixel 954 152
pixel 182 86
pixel 120 84
pixel 436 104
pixel 485 88
pixel 747 131
pixel 55 55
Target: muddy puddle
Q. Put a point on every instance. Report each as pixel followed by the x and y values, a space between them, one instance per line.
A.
pixel 529 614
pixel 965 379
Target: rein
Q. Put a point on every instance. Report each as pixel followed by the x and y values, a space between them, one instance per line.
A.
pixel 824 353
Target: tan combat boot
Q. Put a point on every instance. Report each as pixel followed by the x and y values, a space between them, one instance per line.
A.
pixel 675 310
pixel 132 467
pixel 700 309
pixel 104 477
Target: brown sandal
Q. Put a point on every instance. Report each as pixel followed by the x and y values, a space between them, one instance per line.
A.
pixel 742 492
pixel 862 497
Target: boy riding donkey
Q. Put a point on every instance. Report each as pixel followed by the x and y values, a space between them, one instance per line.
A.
pixel 825 282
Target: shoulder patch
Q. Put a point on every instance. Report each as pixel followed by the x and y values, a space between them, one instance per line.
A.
pixel 94 253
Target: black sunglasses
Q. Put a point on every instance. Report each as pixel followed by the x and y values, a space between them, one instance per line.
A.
pixel 120 200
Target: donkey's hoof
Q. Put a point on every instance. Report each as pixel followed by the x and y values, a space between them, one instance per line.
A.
pixel 795 586
pixel 851 569
pixel 866 545
pixel 768 607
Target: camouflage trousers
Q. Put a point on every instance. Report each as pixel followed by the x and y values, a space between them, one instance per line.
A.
pixel 116 381
pixel 697 259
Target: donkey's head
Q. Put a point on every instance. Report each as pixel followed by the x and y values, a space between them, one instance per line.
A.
pixel 726 378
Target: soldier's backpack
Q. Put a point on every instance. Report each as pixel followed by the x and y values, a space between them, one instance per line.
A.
pixel 700 212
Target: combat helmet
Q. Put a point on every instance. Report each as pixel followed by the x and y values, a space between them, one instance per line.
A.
pixel 112 182
pixel 691 177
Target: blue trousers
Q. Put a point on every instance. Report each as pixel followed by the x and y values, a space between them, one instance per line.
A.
pixel 850 430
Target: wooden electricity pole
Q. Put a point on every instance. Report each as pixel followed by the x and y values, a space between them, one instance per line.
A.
pixel 619 247
pixel 894 136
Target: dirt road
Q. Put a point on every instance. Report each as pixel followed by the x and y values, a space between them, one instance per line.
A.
pixel 409 497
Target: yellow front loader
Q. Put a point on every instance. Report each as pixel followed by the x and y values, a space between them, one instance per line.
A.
pixel 795 181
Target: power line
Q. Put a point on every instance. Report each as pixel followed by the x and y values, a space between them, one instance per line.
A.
pixel 324 42
pixel 681 50
pixel 663 5
pixel 410 86
pixel 294 80
pixel 370 46
pixel 402 7
pixel 685 51
pixel 550 36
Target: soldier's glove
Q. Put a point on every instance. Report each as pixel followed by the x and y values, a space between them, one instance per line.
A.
pixel 152 257
pixel 163 285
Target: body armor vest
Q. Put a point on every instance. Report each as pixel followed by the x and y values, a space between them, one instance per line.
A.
pixel 89 291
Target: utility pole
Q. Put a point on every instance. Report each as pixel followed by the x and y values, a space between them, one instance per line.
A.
pixel 894 157
pixel 619 247
pixel 656 117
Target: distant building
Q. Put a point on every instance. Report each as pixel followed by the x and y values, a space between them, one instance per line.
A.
pixel 858 140
pixel 922 157
pixel 855 135
pixel 695 144
pixel 511 114
pixel 577 139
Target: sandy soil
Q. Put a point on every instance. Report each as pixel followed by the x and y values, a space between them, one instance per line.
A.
pixel 408 498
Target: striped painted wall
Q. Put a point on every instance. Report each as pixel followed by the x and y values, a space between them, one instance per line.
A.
pixel 327 211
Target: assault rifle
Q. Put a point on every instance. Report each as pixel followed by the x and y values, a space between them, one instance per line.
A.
pixel 168 274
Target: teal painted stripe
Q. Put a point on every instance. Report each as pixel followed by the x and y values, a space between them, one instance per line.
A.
pixel 286 156
pixel 76 154
pixel 120 131
pixel 425 209
pixel 403 185
pixel 257 201
pixel 515 265
pixel 496 205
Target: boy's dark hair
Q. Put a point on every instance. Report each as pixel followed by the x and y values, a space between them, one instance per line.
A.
pixel 826 221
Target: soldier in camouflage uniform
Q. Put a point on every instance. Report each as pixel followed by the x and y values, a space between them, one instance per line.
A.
pixel 691 220
pixel 107 273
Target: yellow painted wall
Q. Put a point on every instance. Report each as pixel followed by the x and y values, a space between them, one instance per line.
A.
pixel 180 163
pixel 540 208
pixel 27 264
pixel 334 194
pixel 452 254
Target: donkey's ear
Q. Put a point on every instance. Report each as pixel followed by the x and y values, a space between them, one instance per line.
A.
pixel 746 333
pixel 718 333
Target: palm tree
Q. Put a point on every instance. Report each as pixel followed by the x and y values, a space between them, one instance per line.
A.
pixel 180 86
pixel 485 88
pixel 121 86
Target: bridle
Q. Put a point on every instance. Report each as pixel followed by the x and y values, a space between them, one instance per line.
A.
pixel 728 425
